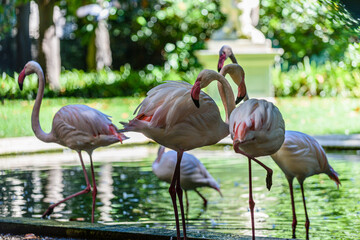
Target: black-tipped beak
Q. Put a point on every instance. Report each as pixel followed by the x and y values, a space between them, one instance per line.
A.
pixel 196 102
pixel 21 79
pixel 238 99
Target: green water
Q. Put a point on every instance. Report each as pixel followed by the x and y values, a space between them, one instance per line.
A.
pixel 129 193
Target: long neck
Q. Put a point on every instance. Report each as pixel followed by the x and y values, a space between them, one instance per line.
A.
pixel 227 96
pixel 35 123
pixel 237 75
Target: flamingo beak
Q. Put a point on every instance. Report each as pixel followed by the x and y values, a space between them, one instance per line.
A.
pixel 21 79
pixel 195 92
pixel 242 93
pixel 218 189
pixel 196 102
pixel 221 61
pixel 238 99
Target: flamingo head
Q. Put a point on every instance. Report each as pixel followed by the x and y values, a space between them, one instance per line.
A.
pixel 224 53
pixel 242 93
pixel 243 132
pixel 195 92
pixel 21 79
pixel 29 68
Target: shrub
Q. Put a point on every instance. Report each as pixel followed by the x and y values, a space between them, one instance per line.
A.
pixel 101 84
pixel 309 79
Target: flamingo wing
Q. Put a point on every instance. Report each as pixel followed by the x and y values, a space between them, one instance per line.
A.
pixel 301 155
pixel 81 127
pixel 258 126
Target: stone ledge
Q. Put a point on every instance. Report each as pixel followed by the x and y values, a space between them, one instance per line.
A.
pixel 82 230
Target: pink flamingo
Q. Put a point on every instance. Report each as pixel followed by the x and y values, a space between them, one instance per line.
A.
pixel 224 53
pixel 77 127
pixel 256 126
pixel 301 156
pixel 168 116
pixel 193 173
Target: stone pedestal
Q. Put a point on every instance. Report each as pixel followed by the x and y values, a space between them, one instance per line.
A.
pixel 256 59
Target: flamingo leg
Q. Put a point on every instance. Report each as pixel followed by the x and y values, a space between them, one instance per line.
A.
pixel 172 191
pixel 86 190
pixel 187 204
pixel 251 202
pixel 294 223
pixel 307 222
pixel 187 199
pixel 268 170
pixel 203 198
pixel 179 192
pixel 94 191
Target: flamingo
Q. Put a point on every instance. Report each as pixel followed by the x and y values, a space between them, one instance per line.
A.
pixel 224 53
pixel 77 127
pixel 301 156
pixel 168 116
pixel 193 173
pixel 256 127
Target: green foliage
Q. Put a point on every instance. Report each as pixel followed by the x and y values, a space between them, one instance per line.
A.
pixel 318 29
pixel 104 83
pixel 329 79
pixel 166 31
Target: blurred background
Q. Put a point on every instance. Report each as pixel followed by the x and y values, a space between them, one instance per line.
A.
pixel 108 48
pixel 108 53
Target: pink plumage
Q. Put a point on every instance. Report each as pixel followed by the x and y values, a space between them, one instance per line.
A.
pixel 78 127
pixel 168 116
pixel 256 126
pixel 299 157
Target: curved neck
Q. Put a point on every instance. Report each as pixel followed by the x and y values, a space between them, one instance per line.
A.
pixel 35 123
pixel 237 74
pixel 227 96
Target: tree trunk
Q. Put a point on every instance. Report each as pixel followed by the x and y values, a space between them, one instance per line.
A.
pixel 23 54
pixel 102 42
pixel 49 43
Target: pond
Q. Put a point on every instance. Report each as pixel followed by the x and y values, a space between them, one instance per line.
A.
pixel 129 193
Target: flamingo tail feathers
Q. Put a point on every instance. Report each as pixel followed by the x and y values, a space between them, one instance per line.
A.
pixel 134 125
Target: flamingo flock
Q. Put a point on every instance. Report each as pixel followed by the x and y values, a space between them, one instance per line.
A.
pixel 181 117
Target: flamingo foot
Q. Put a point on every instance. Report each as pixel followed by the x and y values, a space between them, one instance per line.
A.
pixel 269 179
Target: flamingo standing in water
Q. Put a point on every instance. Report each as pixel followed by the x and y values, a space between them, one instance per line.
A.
pixel 77 127
pixel 301 156
pixel 168 116
pixel 193 173
pixel 256 127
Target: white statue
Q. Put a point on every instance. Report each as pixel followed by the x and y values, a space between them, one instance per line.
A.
pixel 249 18
pixel 242 17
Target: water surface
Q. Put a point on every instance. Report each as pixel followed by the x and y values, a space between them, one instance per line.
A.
pixel 129 193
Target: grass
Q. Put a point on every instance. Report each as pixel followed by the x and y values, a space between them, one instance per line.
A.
pixel 314 115
pixel 15 115
pixel 310 115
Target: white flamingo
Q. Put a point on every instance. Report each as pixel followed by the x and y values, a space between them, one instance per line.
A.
pixel 77 127
pixel 301 156
pixel 168 116
pixel 193 173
